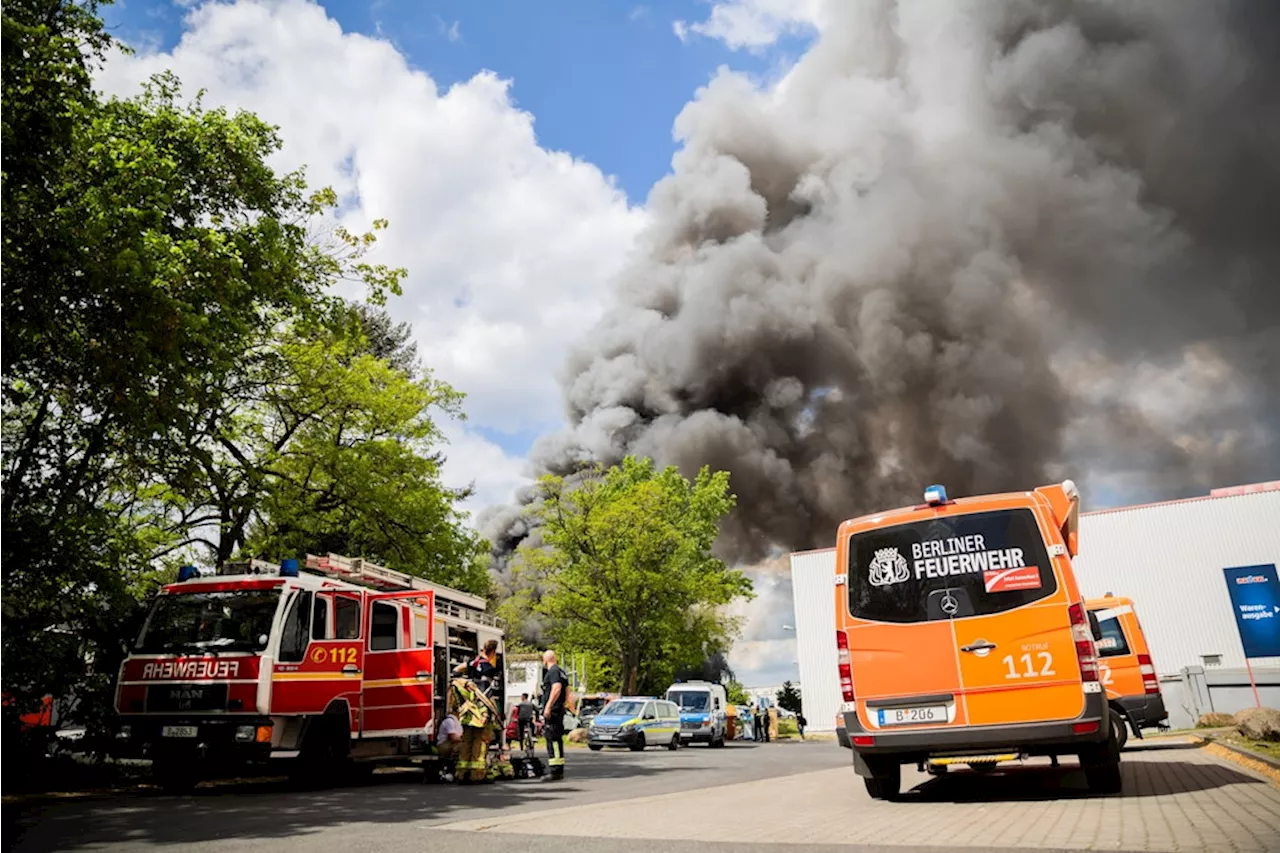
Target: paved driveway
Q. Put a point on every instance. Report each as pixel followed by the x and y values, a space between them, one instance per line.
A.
pixel 1177 797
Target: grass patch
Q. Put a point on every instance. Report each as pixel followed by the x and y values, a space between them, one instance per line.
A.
pixel 568 744
pixel 1271 749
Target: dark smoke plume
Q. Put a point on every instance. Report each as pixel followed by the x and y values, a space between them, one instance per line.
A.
pixel 988 244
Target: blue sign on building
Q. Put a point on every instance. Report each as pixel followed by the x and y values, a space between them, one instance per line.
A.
pixel 1255 598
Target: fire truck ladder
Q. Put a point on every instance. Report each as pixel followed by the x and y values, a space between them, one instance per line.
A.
pixel 450 602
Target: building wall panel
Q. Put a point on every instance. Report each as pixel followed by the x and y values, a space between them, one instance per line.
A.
pixel 1169 559
pixel 813 585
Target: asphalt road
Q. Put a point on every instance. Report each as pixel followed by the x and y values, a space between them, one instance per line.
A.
pixel 744 798
pixel 393 806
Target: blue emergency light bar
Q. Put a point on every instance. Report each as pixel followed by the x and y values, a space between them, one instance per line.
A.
pixel 935 494
pixel 288 568
pixel 186 573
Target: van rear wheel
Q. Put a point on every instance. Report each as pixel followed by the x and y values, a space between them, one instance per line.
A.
pixel 1104 778
pixel 1101 766
pixel 1120 727
pixel 885 783
pixel 675 743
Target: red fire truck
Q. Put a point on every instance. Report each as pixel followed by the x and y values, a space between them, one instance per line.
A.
pixel 338 666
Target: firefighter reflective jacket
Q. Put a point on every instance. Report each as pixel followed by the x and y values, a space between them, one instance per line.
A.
pixel 474 709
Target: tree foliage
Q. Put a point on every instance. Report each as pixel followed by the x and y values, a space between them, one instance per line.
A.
pixel 341 456
pixel 168 305
pixel 736 693
pixel 789 697
pixel 627 569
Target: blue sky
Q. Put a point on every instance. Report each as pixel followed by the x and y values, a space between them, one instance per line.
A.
pixel 604 80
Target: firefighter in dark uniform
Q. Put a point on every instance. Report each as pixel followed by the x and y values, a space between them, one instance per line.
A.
pixel 555 694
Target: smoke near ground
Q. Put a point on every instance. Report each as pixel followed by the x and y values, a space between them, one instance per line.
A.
pixel 988 244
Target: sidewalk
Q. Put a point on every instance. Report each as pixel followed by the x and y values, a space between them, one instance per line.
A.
pixel 1177 796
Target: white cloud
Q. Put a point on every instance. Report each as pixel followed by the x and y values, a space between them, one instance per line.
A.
pixel 453 31
pixel 471 460
pixel 509 247
pixel 765 653
pixel 755 24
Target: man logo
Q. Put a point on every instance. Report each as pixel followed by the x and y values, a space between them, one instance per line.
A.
pixel 888 567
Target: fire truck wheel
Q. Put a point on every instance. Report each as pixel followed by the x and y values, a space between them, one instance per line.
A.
pixel 326 749
pixel 174 776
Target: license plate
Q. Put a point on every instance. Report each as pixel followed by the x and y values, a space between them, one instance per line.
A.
pixel 604 737
pixel 910 716
pixel 178 731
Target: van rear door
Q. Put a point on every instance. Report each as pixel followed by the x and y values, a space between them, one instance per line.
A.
pixel 1013 628
pixel 902 659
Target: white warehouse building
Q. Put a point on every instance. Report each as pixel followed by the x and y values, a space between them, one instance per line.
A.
pixel 1168 557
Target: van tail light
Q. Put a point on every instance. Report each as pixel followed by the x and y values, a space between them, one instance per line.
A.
pixel 864 740
pixel 1150 684
pixel 846 670
pixel 1086 652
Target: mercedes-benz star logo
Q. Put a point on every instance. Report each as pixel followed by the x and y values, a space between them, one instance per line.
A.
pixel 949 604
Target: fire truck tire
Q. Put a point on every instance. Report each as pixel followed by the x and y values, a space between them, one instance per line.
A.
pixel 174 776
pixel 326 749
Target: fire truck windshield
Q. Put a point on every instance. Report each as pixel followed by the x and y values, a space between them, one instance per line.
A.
pixel 235 621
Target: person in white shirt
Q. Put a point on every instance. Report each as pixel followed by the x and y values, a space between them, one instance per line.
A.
pixel 449 737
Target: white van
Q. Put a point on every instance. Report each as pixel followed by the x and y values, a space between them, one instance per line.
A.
pixel 702 707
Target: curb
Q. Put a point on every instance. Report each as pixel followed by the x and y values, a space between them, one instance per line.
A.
pixel 1274 764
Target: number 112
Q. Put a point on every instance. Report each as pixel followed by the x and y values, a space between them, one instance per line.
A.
pixel 1046 666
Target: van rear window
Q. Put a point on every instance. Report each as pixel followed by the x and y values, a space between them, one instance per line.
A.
pixel 949 568
pixel 1112 642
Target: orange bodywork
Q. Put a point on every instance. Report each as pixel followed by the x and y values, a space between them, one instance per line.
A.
pixel 1000 664
pixel 1118 651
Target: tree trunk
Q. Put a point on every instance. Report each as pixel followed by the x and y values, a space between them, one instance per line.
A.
pixel 631 669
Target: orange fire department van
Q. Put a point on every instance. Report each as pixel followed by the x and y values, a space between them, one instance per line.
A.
pixel 962 638
pixel 1125 667
pixel 345 663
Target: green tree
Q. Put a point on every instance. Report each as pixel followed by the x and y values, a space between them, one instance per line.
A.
pixel 147 245
pixel 341 455
pixel 789 697
pixel 626 569
pixel 736 693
